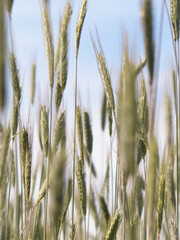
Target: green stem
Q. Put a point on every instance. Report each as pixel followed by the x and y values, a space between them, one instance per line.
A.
pixel 177 141
pixel 74 153
pixel 47 167
pixel 84 227
pixel 8 199
pixel 124 213
pixel 177 196
pixel 111 174
pixel 37 211
pixel 145 203
pixel 90 190
pixel 116 187
pixel 16 194
pixel 25 215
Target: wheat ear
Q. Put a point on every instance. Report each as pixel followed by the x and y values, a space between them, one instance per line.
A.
pixel 149 36
pixel 80 23
pixel 114 225
pixel 48 43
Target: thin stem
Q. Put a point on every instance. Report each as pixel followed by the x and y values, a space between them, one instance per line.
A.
pixel 16 193
pixel 124 213
pixel 37 212
pixel 25 215
pixel 47 167
pixel 177 143
pixel 90 189
pixel 20 129
pixel 8 198
pixel 74 153
pixel 116 187
pixel 111 174
pixel 167 222
pixel 46 201
pixel 11 36
pixel 84 227
pixel 145 202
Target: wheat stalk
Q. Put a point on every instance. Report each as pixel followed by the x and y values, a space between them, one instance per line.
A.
pixel 151 185
pixel 33 78
pixel 104 208
pixel 160 198
pixel 2 56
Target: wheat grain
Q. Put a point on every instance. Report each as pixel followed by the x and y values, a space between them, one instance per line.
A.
pixel 170 180
pixel 58 96
pixel 168 120
pixel 14 77
pixel 23 149
pixel 44 130
pixel 4 152
pixel 63 59
pixel 58 131
pixel 67 200
pixel 48 43
pixel 79 24
pixel 80 175
pixel 127 123
pixel 151 185
pixel 110 119
pixel 80 134
pixel 173 229
pixel 103 111
pixel 160 198
pixel 42 193
pixel 57 54
pixel 114 225
pixel 175 18
pixel 149 36
pixel 88 132
pixel 139 195
pixel 57 187
pixel 104 209
pixel 106 79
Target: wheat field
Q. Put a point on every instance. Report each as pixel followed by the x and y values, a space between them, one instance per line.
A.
pixel 50 184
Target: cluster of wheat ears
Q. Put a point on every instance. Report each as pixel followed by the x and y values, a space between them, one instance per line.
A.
pixel 145 189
